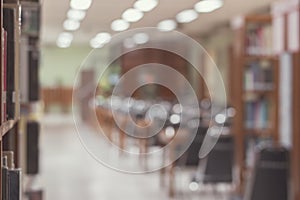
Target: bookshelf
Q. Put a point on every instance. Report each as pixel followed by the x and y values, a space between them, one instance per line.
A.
pixel 296 128
pixel 15 91
pixel 10 105
pixel 254 87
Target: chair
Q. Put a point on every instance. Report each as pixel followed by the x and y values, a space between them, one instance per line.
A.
pixel 269 180
pixel 219 162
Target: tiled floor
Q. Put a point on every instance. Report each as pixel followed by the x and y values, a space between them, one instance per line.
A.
pixel 70 173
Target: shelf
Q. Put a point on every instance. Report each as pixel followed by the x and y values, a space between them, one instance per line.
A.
pixel 259 132
pixel 249 58
pixel 258 19
pixel 259 92
pixel 6 126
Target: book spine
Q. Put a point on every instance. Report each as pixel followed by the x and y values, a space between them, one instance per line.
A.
pixel 9 24
pixel 4 179
pixel 14 184
pixel 4 81
pixel 259 40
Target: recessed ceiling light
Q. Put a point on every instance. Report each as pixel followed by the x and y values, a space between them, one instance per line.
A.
pixel 71 25
pixel 132 15
pixel 119 25
pixel 64 40
pixel 129 43
pixel 186 16
pixel 206 6
pixel 76 14
pixel 80 4
pixel 167 25
pixel 103 37
pixel 94 43
pixel 175 119
pixel 145 5
pixel 141 38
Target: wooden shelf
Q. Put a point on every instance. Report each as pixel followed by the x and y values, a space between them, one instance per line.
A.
pixel 258 19
pixel 259 92
pixel 249 58
pixel 241 96
pixel 259 132
pixel 6 126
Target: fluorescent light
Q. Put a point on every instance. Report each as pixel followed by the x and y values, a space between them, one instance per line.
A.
pixel 206 6
pixel 194 186
pixel 145 5
pixel 94 43
pixel 132 15
pixel 141 38
pixel 76 14
pixel 167 25
pixel 119 25
pixel 170 132
pixel 175 118
pixel 186 16
pixel 64 40
pixel 177 108
pixel 220 118
pixel 103 37
pixel 71 25
pixel 80 4
pixel 129 43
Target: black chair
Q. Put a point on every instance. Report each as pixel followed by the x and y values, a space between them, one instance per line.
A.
pixel 219 162
pixel 269 180
pixel 191 156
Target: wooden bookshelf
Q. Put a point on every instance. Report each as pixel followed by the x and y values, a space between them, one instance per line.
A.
pixel 295 154
pixel 10 120
pixel 254 86
pixel 8 123
pixel 6 126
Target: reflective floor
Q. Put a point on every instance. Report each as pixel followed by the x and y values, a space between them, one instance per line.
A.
pixel 68 172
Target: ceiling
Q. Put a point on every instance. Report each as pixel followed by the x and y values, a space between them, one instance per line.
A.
pixel 103 12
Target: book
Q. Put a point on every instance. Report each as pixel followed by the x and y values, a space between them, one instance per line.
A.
pixel 30 18
pixel 3 78
pixel 257 114
pixel 12 20
pixel 33 62
pixel 32 147
pixel 14 184
pixel 259 40
pixel 4 179
pixel 9 25
pixel 29 68
pixel 259 76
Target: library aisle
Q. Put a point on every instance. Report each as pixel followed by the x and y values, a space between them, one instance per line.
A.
pixel 69 172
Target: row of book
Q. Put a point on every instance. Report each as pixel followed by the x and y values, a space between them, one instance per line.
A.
pixel 259 40
pixel 11 177
pixel 20 57
pixel 257 114
pixel 10 64
pixel 259 76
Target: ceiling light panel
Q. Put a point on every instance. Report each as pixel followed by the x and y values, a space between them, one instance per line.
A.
pixel 206 6
pixel 119 25
pixel 64 40
pixel 94 43
pixel 141 38
pixel 71 25
pixel 132 15
pixel 76 14
pixel 145 5
pixel 186 16
pixel 80 4
pixel 129 43
pixel 167 25
pixel 103 37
